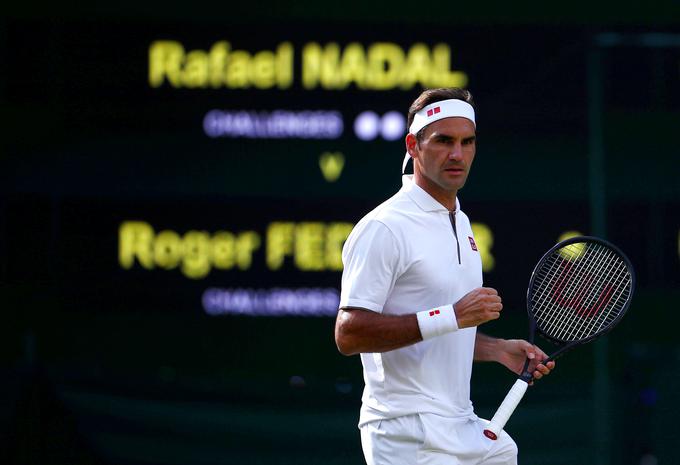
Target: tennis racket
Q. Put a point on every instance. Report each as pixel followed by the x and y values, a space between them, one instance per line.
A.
pixel 579 290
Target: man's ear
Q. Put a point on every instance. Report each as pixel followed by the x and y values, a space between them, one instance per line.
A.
pixel 412 145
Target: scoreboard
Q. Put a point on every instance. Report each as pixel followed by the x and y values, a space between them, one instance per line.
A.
pixel 216 170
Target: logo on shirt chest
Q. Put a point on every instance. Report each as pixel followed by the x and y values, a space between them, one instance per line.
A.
pixel 473 245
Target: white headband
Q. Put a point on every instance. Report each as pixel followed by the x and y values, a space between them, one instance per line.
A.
pixel 436 111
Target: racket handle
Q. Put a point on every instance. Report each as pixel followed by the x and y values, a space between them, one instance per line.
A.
pixel 505 410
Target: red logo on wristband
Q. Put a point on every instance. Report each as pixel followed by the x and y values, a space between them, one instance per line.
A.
pixel 434 312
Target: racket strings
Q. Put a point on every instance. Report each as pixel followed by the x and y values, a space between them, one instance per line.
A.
pixel 592 293
pixel 605 302
pixel 580 296
pixel 564 268
pixel 562 296
pixel 620 296
pixel 579 322
pixel 561 283
pixel 579 291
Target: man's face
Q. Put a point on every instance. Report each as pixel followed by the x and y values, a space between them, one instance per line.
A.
pixel 444 155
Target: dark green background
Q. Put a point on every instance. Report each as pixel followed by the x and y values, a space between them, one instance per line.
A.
pixel 101 365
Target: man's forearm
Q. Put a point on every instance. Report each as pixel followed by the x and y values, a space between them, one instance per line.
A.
pixel 487 348
pixel 359 330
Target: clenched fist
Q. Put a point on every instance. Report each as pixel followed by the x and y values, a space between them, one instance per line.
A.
pixel 478 306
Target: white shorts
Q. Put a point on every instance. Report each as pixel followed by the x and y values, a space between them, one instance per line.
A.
pixel 427 439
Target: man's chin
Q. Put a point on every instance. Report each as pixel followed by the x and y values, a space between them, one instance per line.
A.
pixel 455 186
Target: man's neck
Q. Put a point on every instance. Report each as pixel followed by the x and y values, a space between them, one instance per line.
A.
pixel 443 196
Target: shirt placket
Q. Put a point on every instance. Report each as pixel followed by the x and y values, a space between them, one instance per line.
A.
pixel 452 217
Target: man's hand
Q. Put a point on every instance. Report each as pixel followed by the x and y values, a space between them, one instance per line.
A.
pixel 478 306
pixel 514 352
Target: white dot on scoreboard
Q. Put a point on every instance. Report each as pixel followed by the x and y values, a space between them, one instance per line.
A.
pixel 367 125
pixel 393 125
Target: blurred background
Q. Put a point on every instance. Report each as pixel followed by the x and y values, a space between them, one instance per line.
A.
pixel 176 184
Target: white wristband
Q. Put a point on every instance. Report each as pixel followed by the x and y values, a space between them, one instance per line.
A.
pixel 437 321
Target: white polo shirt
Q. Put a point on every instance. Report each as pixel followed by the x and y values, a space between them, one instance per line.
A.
pixel 402 258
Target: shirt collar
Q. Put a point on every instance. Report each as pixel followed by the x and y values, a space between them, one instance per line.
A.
pixel 424 200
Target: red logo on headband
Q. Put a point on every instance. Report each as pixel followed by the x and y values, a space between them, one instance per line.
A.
pixel 433 111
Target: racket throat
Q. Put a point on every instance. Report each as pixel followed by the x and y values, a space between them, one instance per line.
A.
pixel 452 217
pixel 526 376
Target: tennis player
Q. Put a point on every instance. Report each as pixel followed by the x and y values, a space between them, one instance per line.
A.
pixel 412 299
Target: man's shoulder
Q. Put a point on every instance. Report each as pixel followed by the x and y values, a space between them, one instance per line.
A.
pixel 380 229
pixel 391 212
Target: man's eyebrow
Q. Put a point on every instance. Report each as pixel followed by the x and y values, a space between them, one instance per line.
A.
pixel 445 137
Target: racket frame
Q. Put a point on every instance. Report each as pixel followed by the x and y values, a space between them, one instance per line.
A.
pixel 517 391
pixel 564 346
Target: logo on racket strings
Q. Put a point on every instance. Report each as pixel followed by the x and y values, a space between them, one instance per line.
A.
pixel 583 298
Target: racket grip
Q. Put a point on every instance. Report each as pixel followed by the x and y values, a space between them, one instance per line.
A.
pixel 505 410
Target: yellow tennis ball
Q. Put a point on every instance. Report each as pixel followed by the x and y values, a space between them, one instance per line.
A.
pixel 572 251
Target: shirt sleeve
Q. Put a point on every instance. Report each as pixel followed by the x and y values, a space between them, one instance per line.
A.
pixel 370 258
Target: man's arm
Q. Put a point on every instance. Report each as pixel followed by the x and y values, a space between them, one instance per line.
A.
pixel 512 353
pixel 359 330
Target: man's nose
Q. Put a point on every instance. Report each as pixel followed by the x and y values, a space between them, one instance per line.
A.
pixel 456 152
